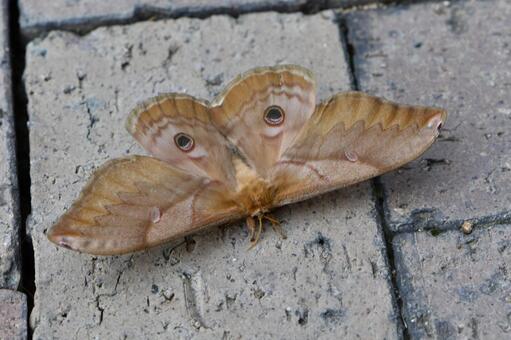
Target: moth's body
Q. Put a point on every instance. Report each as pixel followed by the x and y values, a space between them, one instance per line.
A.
pixel 260 144
pixel 254 193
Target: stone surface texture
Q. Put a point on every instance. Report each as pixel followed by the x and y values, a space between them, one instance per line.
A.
pixel 456 286
pixel 13 315
pixel 456 56
pixel 329 279
pixel 40 16
pixel 9 224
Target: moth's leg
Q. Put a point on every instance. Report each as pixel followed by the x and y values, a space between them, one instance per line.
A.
pixel 253 241
pixel 275 224
pixel 272 219
pixel 251 227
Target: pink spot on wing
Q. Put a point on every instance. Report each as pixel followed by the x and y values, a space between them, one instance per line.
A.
pixel 435 121
pixel 351 155
pixel 65 243
pixel 155 214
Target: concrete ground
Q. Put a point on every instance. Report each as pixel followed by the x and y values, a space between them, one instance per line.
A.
pixel 385 259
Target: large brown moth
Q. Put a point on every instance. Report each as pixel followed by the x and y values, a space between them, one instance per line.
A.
pixel 260 144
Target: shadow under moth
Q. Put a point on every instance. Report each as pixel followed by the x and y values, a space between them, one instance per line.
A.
pixel 260 144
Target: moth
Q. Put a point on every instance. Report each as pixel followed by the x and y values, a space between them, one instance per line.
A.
pixel 260 144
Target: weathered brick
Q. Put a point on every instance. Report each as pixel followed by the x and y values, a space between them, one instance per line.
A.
pixel 456 286
pixel 9 222
pixel 38 16
pixel 457 56
pixel 13 315
pixel 329 278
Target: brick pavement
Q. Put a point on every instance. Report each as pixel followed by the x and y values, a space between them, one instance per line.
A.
pixel 349 254
pixel 456 56
pixel 81 15
pixel 310 283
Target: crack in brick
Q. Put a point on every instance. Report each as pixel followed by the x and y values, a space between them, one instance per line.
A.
pixel 98 301
pixel 114 292
pixel 101 310
pixel 22 160
pixel 92 120
pixel 143 12
pixel 387 236
pixel 378 196
pixel 427 220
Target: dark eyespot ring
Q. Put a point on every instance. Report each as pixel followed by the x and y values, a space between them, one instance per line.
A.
pixel 184 142
pixel 274 115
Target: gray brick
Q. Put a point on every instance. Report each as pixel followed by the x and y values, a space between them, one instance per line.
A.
pixel 456 286
pixel 457 56
pixel 39 16
pixel 9 222
pixel 80 91
pixel 13 315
